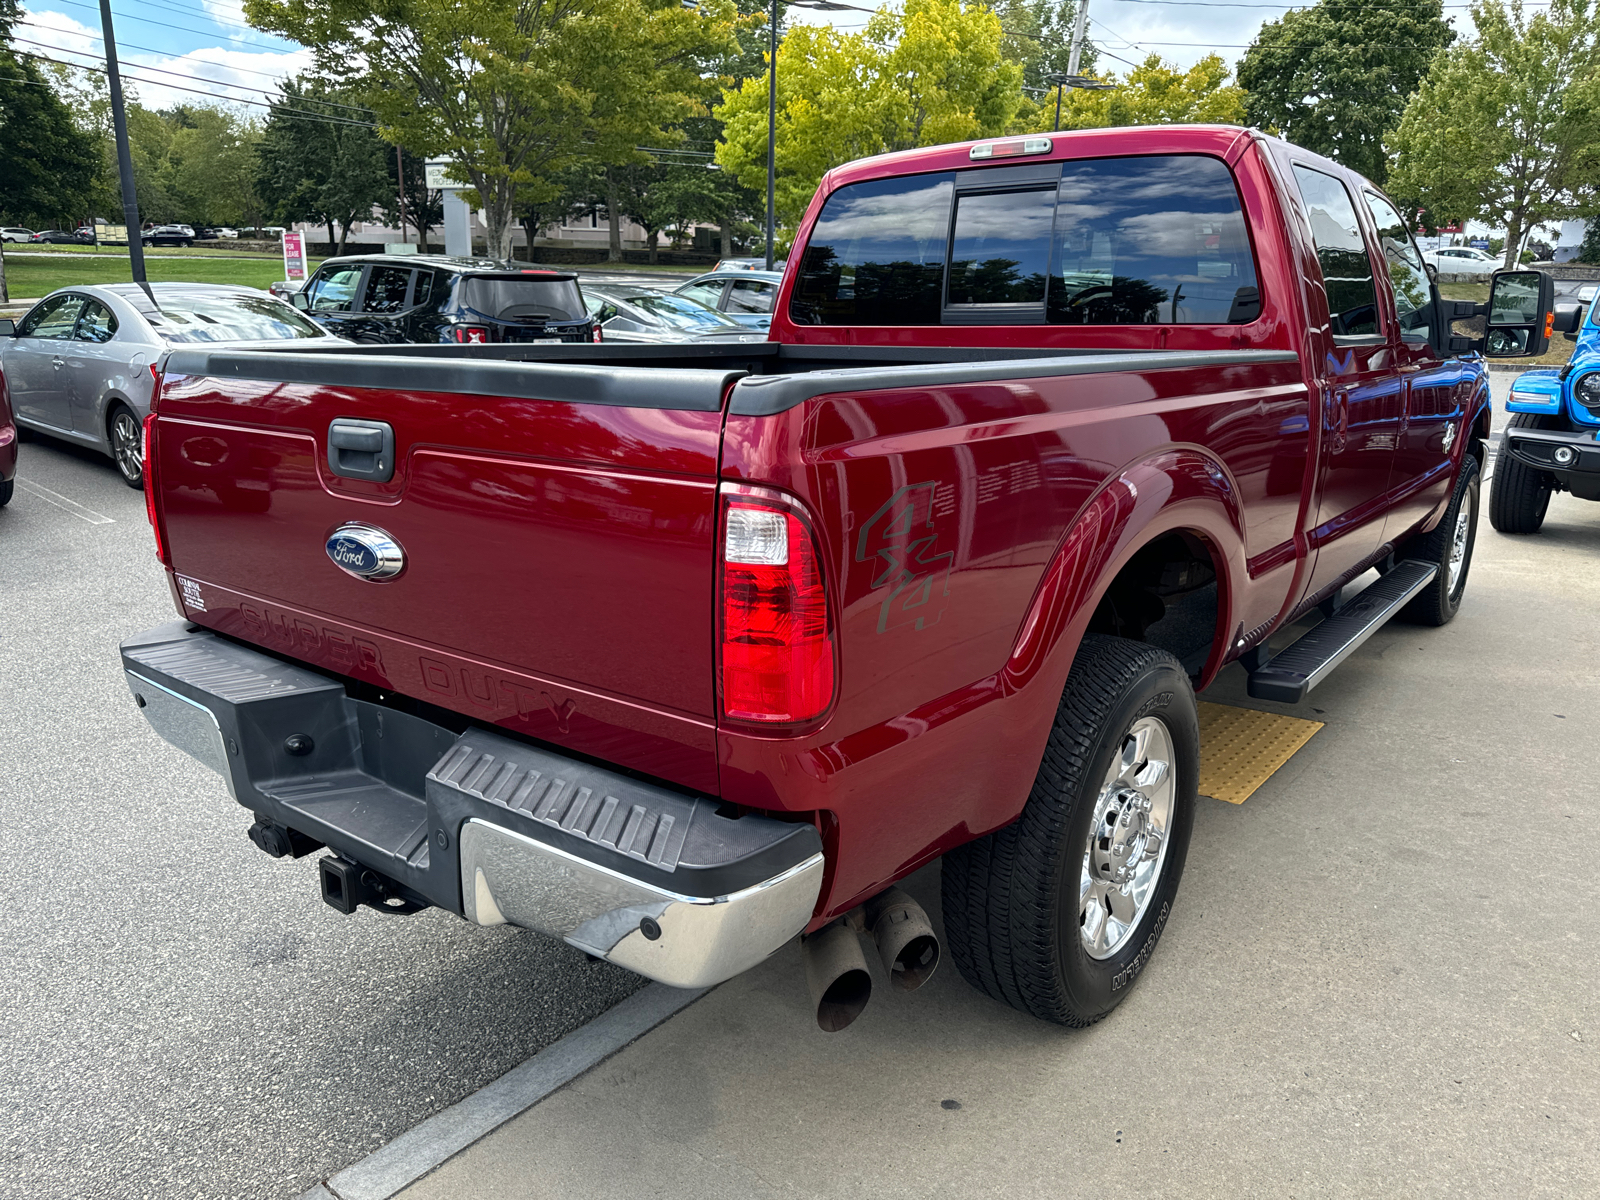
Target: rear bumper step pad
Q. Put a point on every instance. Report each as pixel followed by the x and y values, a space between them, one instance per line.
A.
pixel 493 829
pixel 1302 666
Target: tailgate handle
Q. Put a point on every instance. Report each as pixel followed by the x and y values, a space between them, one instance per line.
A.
pixel 361 449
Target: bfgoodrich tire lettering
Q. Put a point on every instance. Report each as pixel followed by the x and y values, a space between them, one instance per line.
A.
pixel 1012 907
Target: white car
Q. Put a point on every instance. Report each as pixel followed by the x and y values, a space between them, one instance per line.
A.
pixel 15 233
pixel 1461 260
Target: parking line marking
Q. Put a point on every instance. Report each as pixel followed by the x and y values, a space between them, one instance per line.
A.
pixel 60 501
pixel 1240 748
pixel 424 1147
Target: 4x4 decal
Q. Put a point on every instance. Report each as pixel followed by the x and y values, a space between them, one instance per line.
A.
pixel 900 536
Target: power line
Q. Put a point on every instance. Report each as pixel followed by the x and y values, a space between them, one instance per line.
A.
pixel 164 25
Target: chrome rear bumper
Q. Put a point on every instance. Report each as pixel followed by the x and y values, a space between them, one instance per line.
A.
pixel 496 830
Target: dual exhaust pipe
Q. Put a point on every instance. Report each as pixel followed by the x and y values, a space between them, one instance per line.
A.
pixel 836 968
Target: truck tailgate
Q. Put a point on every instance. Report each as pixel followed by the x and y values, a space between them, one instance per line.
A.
pixel 556 524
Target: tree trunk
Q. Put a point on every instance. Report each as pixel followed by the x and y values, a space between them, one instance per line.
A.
pixel 332 237
pixel 4 295
pixel 653 241
pixel 344 232
pixel 613 220
pixel 1513 242
pixel 498 218
pixel 727 238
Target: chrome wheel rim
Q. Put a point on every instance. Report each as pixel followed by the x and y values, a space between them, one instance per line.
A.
pixel 1127 845
pixel 1458 546
pixel 126 445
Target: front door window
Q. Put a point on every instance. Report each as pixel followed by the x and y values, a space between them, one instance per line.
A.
pixel 335 292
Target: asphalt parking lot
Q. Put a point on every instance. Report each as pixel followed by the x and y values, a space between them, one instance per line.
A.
pixel 183 1015
pixel 1380 978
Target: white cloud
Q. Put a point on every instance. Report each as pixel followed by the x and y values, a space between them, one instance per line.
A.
pixel 226 74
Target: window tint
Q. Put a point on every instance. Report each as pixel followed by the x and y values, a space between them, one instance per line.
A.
pixel 876 255
pixel 514 299
pixel 54 318
pixel 1000 253
pixel 1413 299
pixel 96 324
pixel 335 291
pixel 386 290
pixel 751 296
pixel 1151 240
pixel 1346 268
pixel 424 287
pixel 708 293
pixel 679 312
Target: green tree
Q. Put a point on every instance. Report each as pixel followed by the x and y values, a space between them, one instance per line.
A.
pixel 47 163
pixel 1335 77
pixel 513 91
pixel 424 205
pixel 930 73
pixel 1505 128
pixel 1038 38
pixel 330 168
pixel 1155 93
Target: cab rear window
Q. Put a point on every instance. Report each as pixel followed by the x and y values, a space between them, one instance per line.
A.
pixel 515 299
pixel 1158 239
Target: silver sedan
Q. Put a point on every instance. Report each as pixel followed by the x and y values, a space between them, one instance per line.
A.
pixel 81 364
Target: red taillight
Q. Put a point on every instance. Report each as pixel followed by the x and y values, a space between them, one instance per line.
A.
pixel 777 644
pixel 150 483
pixel 597 335
pixel 472 334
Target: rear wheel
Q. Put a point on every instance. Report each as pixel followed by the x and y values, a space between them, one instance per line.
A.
pixel 1519 495
pixel 126 439
pixel 6 489
pixel 1450 546
pixel 1058 913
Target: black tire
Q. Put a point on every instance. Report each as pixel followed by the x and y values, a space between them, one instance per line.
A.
pixel 1438 603
pixel 6 488
pixel 1519 495
pixel 129 459
pixel 1011 909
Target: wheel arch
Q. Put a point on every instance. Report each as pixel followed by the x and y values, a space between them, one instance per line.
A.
pixel 1181 504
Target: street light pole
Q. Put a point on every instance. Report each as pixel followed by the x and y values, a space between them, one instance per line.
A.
pixel 772 125
pixel 119 121
pixel 1078 30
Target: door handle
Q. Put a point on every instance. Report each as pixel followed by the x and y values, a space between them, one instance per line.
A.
pixel 57 363
pixel 361 449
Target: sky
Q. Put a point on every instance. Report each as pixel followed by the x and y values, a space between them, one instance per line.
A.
pixel 201 51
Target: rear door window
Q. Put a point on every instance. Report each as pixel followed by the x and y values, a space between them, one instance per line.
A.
pixel 386 290
pixel 96 324
pixel 1000 248
pixel 708 293
pixel 1413 298
pixel 1151 240
pixel 511 298
pixel 877 254
pixel 1346 267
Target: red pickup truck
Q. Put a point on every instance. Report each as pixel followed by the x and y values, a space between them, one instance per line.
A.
pixel 677 653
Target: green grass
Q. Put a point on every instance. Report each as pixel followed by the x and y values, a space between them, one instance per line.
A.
pixel 29 278
pixel 110 251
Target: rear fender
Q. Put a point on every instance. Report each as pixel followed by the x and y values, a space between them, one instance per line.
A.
pixel 1182 490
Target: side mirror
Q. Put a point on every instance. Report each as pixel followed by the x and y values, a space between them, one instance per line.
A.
pixel 1521 314
pixel 1567 319
pixel 300 300
pixel 8 327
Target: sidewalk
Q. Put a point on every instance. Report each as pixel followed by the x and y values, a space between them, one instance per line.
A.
pixel 1379 979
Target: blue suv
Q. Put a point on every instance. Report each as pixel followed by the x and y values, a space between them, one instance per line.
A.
pixel 1550 444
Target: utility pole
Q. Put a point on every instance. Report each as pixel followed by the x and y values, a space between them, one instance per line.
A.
pixel 400 178
pixel 1078 30
pixel 772 126
pixel 119 121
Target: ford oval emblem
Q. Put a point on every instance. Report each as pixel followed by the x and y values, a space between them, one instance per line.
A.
pixel 365 551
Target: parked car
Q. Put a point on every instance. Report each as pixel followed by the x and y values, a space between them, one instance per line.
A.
pixel 748 264
pixel 8 445
pixel 381 298
pixel 643 314
pixel 61 237
pixel 1461 260
pixel 1550 443
pixel 15 233
pixel 679 652
pixel 168 235
pixel 81 363
pixel 744 294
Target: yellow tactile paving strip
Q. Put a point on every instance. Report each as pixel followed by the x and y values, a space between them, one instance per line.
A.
pixel 1240 748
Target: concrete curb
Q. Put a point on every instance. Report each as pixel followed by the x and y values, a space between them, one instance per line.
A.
pixel 421 1149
